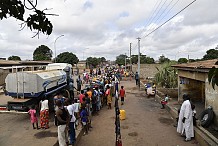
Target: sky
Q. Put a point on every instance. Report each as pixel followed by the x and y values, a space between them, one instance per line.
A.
pixel 96 28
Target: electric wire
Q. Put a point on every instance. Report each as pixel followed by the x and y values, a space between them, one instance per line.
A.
pixel 157 14
pixel 151 27
pixel 169 19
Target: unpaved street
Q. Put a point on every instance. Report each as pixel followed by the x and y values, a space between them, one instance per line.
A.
pixel 16 130
pixel 145 125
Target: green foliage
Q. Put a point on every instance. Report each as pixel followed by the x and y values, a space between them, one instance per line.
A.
pixel 120 60
pixel 182 60
pixel 93 61
pixel 36 21
pixel 67 57
pixel 213 76
pixel 134 59
pixel 211 54
pixel 14 58
pixel 42 53
pixel 167 75
pixel 143 59
pixel 163 59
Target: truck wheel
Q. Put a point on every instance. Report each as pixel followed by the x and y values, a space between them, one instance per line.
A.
pixel 206 117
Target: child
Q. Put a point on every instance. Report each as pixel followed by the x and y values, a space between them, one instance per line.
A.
pixel 164 101
pixel 122 94
pixel 84 119
pixel 33 118
pixel 194 114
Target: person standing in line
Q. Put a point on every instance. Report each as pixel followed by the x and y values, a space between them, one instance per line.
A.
pixel 79 83
pixel 122 94
pixel 81 96
pixel 185 123
pixel 84 119
pixel 33 117
pixel 63 119
pixel 44 113
pixel 137 78
pixel 109 96
pixel 77 108
pixel 72 133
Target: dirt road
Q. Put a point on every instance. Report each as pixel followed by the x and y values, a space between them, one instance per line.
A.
pixel 16 130
pixel 145 125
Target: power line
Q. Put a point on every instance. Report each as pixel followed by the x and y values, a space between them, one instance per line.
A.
pixel 153 12
pixel 170 18
pixel 160 15
pixel 169 10
pixel 157 12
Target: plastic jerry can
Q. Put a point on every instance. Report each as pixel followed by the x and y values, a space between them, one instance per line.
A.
pixel 122 114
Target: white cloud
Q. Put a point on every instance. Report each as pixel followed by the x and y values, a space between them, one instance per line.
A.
pixel 105 28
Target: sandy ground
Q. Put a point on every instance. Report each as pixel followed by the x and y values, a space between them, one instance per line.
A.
pixel 145 124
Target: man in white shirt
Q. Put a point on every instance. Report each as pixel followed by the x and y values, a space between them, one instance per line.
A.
pixel 72 133
pixel 185 123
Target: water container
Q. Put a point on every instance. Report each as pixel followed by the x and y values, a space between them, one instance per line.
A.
pixel 122 114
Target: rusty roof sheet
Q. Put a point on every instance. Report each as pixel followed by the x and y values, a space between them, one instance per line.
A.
pixel 11 62
pixel 206 64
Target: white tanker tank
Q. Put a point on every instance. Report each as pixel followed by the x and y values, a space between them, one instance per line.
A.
pixel 28 87
pixel 34 83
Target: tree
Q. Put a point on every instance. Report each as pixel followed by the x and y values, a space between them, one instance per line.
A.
pixel 167 75
pixel 120 60
pixel 211 54
pixel 144 59
pixel 42 53
pixel 67 57
pixel 93 61
pixel 163 59
pixel 36 20
pixel 182 60
pixel 134 59
pixel 14 58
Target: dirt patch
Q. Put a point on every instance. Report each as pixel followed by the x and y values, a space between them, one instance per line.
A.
pixel 44 134
pixel 125 127
pixel 166 121
pixel 133 134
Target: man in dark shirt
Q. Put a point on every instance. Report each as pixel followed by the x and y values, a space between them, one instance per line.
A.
pixel 63 119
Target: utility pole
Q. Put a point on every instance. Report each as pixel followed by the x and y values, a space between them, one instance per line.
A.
pixel 139 60
pixel 130 55
pixel 125 62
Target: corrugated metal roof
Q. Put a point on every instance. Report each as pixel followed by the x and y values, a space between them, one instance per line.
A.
pixel 206 64
pixel 11 62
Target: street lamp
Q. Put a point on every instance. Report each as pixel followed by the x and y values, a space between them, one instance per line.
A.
pixel 55 45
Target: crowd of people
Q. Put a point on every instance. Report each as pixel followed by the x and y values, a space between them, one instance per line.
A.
pixel 100 89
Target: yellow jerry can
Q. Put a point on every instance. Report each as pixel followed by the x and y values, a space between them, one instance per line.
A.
pixel 122 114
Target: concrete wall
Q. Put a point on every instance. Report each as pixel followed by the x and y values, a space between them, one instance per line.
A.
pixel 212 99
pixel 146 70
pixel 193 75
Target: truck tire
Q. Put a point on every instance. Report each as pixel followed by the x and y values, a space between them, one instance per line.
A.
pixel 206 117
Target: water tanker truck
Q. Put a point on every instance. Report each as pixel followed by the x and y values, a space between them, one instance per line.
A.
pixel 29 87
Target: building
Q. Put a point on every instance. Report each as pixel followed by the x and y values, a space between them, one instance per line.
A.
pixel 193 80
